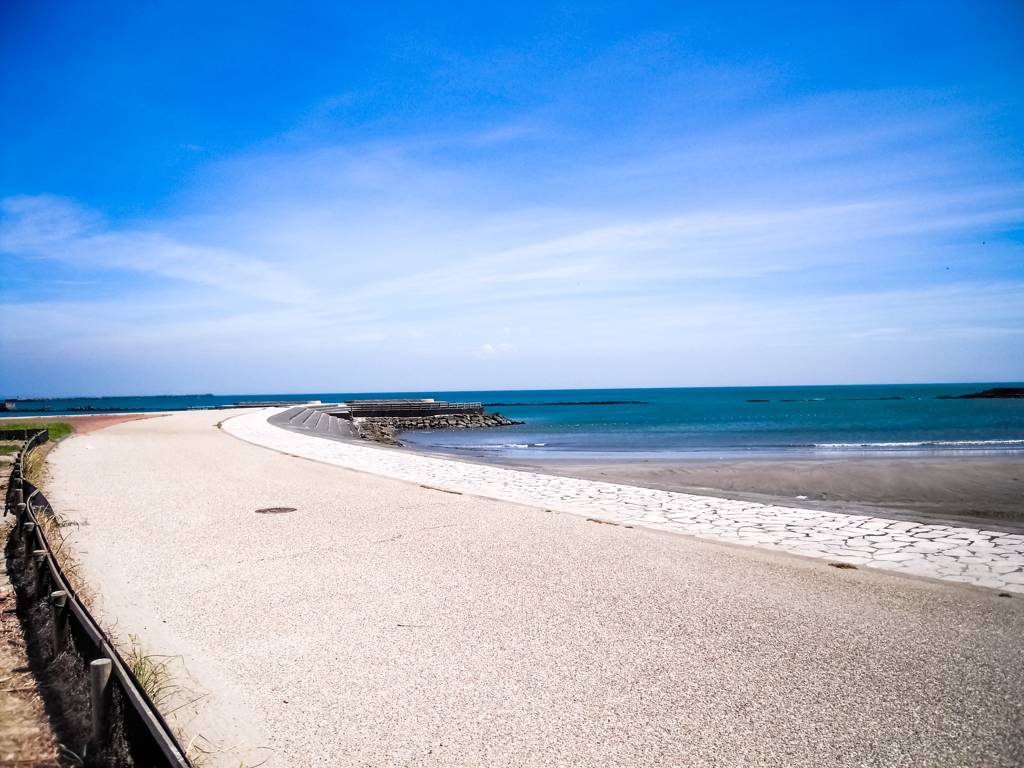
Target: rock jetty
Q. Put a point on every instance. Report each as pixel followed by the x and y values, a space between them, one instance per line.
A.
pixel 382 429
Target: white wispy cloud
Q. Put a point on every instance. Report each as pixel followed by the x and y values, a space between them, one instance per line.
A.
pixel 494 350
pixel 49 228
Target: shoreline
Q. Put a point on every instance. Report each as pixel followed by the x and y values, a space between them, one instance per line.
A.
pixel 980 490
pixel 971 490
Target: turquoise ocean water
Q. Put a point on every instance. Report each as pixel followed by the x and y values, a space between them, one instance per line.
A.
pixel 678 423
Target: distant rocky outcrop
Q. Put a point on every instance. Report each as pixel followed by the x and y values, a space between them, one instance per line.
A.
pixel 995 392
pixel 382 429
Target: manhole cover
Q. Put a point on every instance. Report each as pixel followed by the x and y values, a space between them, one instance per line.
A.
pixel 274 510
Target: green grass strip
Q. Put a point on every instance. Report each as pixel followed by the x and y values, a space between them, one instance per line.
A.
pixel 57 429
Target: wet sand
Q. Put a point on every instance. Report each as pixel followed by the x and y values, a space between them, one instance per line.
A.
pixel 959 489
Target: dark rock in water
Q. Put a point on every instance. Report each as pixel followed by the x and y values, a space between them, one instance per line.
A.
pixel 995 392
pixel 382 429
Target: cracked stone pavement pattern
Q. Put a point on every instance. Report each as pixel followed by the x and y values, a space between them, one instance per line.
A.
pixel 968 555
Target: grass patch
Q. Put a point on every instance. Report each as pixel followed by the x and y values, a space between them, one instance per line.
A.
pixel 9 450
pixel 844 566
pixel 57 429
pixel 34 463
pixel 156 676
pixel 52 528
pixel 152 672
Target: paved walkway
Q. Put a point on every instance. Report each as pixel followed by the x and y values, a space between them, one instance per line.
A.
pixel 984 558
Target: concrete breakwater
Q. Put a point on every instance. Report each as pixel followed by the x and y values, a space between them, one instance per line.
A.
pixel 382 429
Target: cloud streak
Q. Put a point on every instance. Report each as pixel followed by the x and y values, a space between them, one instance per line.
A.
pixel 46 228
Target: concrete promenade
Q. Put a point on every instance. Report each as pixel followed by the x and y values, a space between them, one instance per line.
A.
pixel 387 624
pixel 969 555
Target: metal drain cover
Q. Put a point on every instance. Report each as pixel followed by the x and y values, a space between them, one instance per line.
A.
pixel 274 510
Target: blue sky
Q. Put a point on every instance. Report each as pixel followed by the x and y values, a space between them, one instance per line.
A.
pixel 279 197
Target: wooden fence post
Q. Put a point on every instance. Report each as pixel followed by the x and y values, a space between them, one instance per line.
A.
pixel 39 558
pixel 99 678
pixel 19 505
pixel 57 603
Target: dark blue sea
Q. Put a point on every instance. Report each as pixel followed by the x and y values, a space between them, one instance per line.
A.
pixel 677 423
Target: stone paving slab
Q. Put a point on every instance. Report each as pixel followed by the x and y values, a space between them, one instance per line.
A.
pixel 965 555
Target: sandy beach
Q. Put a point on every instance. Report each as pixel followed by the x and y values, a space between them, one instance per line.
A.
pixel 962 489
pixel 383 623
